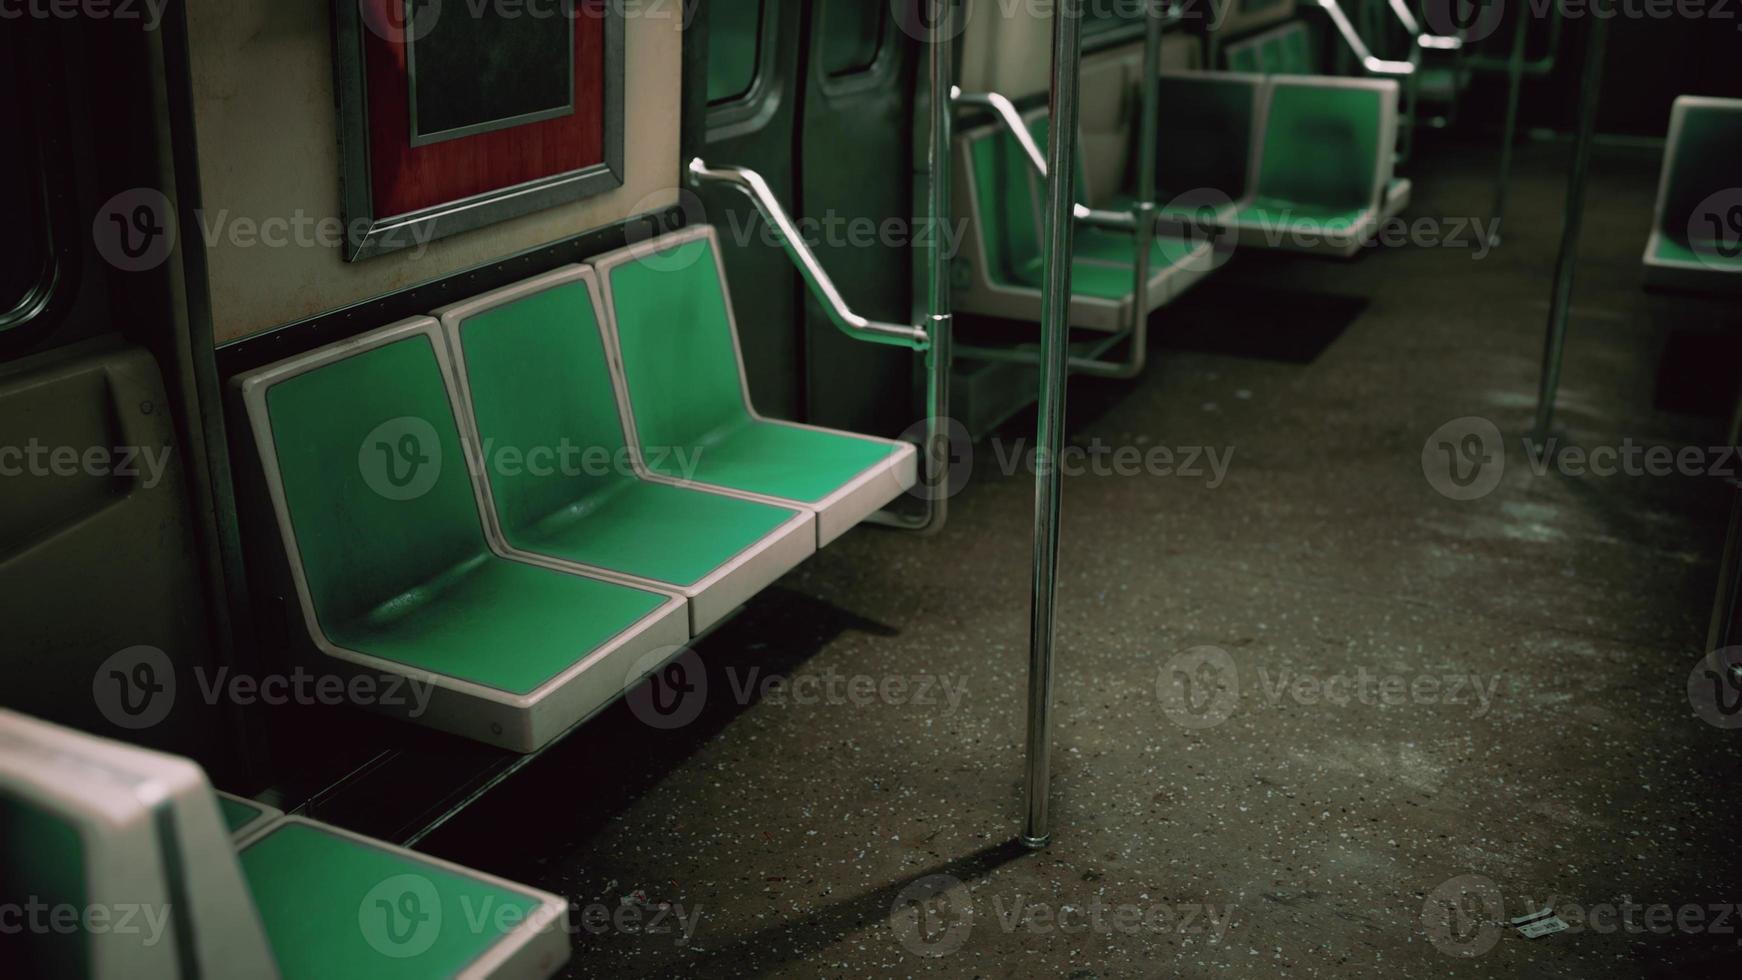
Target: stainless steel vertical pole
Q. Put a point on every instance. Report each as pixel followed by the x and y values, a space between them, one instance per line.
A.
pixel 940 322
pixel 1509 131
pixel 1054 350
pixel 1561 302
pixel 1143 212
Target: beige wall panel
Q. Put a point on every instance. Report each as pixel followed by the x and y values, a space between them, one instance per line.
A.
pixel 268 148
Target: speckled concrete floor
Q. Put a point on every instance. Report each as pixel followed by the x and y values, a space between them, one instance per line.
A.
pixel 1396 700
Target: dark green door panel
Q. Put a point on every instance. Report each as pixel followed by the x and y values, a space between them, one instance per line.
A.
pixel 756 130
pixel 857 158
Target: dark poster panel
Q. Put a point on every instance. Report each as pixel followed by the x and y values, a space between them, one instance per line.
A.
pixel 408 178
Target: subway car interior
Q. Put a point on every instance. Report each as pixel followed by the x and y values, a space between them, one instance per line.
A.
pixel 865 488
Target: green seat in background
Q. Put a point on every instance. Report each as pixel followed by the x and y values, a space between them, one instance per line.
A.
pixel 246 819
pixel 1004 194
pixel 1283 50
pixel 337 906
pixel 1324 172
pixel 533 369
pixel 374 496
pixel 1205 139
pixel 1696 235
pixel 690 415
pixel 89 823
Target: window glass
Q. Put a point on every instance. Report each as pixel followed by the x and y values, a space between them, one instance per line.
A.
pixel 734 49
pixel 852 35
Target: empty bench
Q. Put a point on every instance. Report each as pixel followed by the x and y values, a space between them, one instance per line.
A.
pixel 104 828
pixel 1696 229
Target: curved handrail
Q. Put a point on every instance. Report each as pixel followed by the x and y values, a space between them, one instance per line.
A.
pixel 1373 64
pixel 751 184
pixel 1005 111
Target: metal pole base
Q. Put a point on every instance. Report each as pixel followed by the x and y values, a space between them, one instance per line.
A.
pixel 1036 843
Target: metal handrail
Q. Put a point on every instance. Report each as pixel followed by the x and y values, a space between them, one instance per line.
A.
pixel 1005 112
pixel 1139 222
pixel 1372 63
pixel 1412 27
pixel 751 184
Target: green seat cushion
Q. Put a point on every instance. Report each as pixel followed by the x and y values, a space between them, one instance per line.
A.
pixel 1671 248
pixel 412 580
pixel 654 531
pixel 780 460
pixel 1708 146
pixel 1273 212
pixel 42 857
pixel 1205 146
pixel 1103 245
pixel 539 381
pixel 336 908
pixel 238 814
pixel 499 623
pixel 1321 149
pixel 1093 279
pixel 680 360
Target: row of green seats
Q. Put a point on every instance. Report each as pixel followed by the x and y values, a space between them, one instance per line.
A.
pixel 1696 230
pixel 1286 162
pixel 124 865
pixel 1000 272
pixel 530 504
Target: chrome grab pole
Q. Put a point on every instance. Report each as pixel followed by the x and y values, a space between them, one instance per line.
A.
pixel 1143 212
pixel 1509 131
pixel 940 320
pixel 1055 304
pixel 751 184
pixel 1555 343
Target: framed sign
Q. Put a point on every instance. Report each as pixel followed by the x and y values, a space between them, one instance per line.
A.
pixel 455 114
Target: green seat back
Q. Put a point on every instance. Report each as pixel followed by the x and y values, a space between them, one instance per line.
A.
pixel 1321 144
pixel 679 356
pixel 1708 159
pixel 1285 50
pixel 343 433
pixel 42 858
pixel 540 387
pixel 1009 211
pixel 1206 134
pixel 1011 195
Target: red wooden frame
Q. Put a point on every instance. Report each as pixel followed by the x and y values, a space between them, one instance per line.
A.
pixel 406 179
